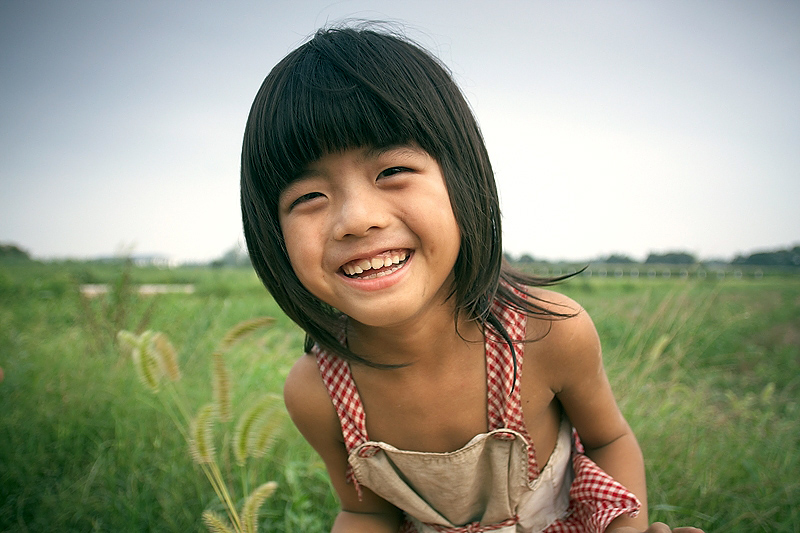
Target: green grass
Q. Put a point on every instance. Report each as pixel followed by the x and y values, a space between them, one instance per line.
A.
pixel 708 376
pixel 707 373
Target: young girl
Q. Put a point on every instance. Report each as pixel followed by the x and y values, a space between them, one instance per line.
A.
pixel 440 388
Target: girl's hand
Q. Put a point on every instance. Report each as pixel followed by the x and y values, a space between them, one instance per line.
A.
pixel 657 527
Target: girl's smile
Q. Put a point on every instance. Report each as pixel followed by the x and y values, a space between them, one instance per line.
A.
pixel 377 272
pixel 376 266
pixel 372 233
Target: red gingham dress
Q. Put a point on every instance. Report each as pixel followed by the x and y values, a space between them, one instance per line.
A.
pixel 595 499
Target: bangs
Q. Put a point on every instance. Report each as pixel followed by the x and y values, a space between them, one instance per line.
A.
pixel 331 113
pixel 319 103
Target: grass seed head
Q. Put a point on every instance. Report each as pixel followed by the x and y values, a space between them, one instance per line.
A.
pixel 250 426
pixel 202 434
pixel 215 523
pixel 146 362
pixel 221 387
pixel 265 433
pixel 127 341
pixel 167 357
pixel 254 503
pixel 243 329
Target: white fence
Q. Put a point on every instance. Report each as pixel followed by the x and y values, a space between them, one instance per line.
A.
pixel 91 290
pixel 650 272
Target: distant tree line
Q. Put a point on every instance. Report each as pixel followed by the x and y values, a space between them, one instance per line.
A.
pixel 12 251
pixel 671 258
pixel 235 257
pixel 785 258
pixel 789 257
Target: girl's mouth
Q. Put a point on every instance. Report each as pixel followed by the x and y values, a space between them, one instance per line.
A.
pixel 375 267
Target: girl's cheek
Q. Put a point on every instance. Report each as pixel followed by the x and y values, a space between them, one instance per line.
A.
pixel 290 241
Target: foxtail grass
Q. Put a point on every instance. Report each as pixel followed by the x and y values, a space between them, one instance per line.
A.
pixel 167 357
pixel 215 523
pixel 221 387
pixel 156 363
pixel 221 375
pixel 257 428
pixel 202 435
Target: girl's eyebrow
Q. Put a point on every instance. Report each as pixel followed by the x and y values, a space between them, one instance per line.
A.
pixel 306 173
pixel 293 183
pixel 370 153
pixel 407 150
pixel 296 180
pixel 303 174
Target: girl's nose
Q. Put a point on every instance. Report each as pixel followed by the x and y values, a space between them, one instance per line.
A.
pixel 358 214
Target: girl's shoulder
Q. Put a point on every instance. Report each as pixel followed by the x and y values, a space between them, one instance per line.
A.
pixel 308 403
pixel 559 315
pixel 564 346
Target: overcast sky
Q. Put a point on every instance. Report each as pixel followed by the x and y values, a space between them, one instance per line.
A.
pixel 613 126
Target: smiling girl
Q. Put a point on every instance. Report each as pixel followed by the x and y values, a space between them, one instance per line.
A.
pixel 371 215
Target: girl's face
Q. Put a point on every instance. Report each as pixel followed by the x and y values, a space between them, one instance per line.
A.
pixel 372 233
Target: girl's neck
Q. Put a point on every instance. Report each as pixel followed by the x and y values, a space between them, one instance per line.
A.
pixel 428 340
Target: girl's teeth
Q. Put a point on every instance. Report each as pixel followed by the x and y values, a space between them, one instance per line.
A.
pixel 375 263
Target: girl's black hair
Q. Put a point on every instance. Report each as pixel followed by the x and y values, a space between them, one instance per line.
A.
pixel 351 88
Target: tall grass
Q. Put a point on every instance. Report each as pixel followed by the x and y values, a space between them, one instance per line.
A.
pixel 155 360
pixel 707 373
pixel 84 447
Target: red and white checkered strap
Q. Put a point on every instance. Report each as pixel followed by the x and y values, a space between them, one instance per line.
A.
pixel 336 375
pixel 505 404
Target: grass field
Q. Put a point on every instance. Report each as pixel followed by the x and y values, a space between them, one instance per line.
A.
pixel 707 373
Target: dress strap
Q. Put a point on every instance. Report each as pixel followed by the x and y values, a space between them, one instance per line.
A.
pixel 337 377
pixel 505 403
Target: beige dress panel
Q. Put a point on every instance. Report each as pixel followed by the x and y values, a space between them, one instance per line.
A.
pixel 486 482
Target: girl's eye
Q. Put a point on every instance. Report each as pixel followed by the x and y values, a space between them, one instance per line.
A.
pixel 392 171
pixel 304 198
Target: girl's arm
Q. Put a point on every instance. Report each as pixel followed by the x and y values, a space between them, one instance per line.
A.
pixel 311 410
pixel 582 388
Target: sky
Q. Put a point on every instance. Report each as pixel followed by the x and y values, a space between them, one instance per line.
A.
pixel 613 126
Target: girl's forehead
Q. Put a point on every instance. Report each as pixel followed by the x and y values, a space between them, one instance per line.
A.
pixel 367 154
